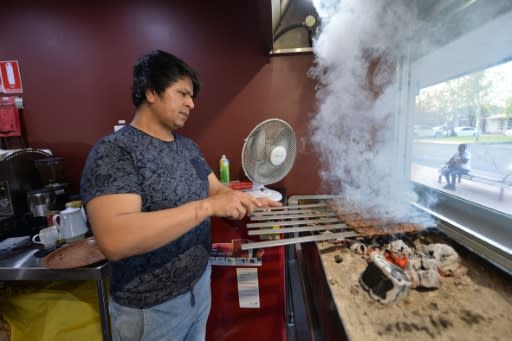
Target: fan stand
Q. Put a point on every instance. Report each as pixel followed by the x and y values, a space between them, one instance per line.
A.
pixel 260 191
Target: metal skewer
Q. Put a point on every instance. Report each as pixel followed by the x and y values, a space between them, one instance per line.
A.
pixel 294 222
pixel 315 238
pixel 297 229
pixel 289 207
pixel 294 216
pixel 308 210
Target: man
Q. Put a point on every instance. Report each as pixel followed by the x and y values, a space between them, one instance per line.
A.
pixel 149 195
pixel 457 165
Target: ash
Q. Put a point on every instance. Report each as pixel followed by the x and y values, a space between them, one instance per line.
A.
pixel 449 293
pixel 422 266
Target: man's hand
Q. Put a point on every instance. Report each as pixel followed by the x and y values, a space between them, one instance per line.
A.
pixel 227 203
pixel 237 204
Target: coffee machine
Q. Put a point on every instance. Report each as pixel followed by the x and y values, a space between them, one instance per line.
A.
pixel 18 177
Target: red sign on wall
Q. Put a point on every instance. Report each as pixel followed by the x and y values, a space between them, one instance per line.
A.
pixel 10 79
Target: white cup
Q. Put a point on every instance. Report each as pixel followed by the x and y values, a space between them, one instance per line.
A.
pixel 47 236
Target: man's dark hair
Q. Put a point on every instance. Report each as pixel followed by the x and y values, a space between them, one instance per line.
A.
pixel 157 71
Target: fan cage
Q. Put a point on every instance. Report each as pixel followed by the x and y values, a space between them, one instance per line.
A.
pixel 258 147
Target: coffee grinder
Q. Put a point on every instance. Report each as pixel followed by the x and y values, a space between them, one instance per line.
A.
pixel 51 172
pixel 39 202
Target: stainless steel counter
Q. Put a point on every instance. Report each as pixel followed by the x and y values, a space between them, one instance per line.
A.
pixel 22 264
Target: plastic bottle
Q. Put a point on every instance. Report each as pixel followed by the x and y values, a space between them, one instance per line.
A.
pixel 119 125
pixel 224 170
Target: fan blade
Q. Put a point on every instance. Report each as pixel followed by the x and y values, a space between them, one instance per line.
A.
pixel 285 141
pixel 259 145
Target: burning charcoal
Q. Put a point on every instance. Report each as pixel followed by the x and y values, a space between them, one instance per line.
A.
pixel 447 258
pixel 429 279
pixel 419 246
pixel 359 248
pixel 395 258
pixel 428 263
pixel 415 263
pixel 398 246
pixel 374 244
pixel 384 281
pixel 413 276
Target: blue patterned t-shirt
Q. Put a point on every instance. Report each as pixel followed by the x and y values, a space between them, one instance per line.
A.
pixel 165 175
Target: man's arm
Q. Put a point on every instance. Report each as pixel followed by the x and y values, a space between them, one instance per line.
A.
pixel 123 230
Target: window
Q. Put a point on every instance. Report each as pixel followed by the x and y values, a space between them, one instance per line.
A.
pixel 474 110
pixel 463 91
pixel 472 105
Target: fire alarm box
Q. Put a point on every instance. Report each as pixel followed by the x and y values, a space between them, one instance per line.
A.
pixel 9 118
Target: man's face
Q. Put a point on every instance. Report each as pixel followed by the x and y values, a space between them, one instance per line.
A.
pixel 173 107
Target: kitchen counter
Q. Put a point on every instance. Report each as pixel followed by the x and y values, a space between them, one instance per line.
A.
pixel 23 264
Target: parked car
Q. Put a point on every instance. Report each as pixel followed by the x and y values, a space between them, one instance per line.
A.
pixel 424 131
pixel 465 131
pixel 508 132
pixel 441 131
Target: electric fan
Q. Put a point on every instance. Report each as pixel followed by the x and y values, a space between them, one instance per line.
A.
pixel 268 155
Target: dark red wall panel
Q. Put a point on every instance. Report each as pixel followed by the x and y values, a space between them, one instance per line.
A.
pixel 76 57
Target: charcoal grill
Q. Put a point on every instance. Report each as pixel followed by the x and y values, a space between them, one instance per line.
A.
pixel 320 218
pixel 478 305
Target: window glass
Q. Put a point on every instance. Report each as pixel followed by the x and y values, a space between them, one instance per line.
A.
pixel 474 110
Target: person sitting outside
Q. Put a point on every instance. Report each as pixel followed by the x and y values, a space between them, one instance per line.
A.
pixel 457 165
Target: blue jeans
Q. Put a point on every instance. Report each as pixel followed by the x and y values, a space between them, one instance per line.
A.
pixel 175 319
pixel 453 173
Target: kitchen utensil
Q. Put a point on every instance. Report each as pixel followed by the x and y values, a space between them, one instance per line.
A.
pixel 71 223
pixel 39 201
pixel 313 238
pixel 47 236
pixel 297 229
pixel 75 255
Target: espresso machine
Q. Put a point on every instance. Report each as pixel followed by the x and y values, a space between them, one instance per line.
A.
pixel 18 178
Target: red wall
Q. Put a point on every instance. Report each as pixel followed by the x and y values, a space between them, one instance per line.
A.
pixel 75 59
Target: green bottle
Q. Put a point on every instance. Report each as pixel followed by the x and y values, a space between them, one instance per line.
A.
pixel 224 170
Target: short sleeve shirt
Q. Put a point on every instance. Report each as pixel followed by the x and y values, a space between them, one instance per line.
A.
pixel 467 165
pixel 165 175
pixel 466 155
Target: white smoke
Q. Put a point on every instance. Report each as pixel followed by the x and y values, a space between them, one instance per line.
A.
pixel 355 127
